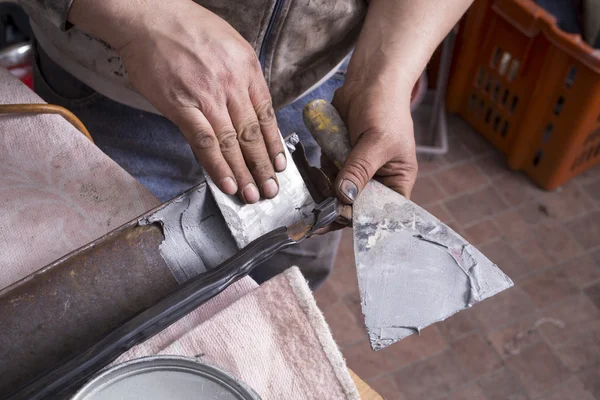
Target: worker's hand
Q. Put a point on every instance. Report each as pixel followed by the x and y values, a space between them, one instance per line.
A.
pixel 377 114
pixel 201 74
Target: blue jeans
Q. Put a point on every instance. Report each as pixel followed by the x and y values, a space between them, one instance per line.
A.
pixel 153 150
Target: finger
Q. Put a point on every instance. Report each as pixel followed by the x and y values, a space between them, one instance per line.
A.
pixel 366 157
pixel 263 107
pixel 230 149
pixel 253 147
pixel 400 176
pixel 203 141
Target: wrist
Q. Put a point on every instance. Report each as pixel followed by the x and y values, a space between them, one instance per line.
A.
pixel 113 21
pixel 386 75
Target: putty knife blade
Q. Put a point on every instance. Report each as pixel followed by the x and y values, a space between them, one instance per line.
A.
pixel 412 269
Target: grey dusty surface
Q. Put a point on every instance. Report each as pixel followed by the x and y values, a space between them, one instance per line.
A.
pixel 537 340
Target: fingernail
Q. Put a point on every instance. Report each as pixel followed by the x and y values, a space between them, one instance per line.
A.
pixel 280 162
pixel 228 185
pixel 270 188
pixel 349 189
pixel 250 193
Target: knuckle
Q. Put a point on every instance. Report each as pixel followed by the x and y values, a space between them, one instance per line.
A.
pixel 259 167
pixel 265 112
pixel 228 140
pixel 250 134
pixel 203 140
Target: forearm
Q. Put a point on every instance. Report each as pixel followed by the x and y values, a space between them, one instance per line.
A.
pixel 399 37
pixel 110 20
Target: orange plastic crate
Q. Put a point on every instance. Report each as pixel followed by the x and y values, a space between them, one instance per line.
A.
pixel 530 89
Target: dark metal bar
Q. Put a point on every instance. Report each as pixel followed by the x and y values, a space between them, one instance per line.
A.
pixel 148 323
pixel 69 305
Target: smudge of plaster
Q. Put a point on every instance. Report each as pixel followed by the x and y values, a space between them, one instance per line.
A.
pixel 412 269
pixel 196 236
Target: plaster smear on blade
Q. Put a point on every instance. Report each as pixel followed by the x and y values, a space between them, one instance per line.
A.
pixel 196 238
pixel 250 221
pixel 412 269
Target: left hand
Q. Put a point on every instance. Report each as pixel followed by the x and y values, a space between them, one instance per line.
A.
pixel 377 114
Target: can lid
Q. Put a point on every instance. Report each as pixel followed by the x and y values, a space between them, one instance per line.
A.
pixel 164 378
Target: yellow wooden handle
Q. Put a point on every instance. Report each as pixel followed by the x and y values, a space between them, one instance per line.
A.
pixel 327 127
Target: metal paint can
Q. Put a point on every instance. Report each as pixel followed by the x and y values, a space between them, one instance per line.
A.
pixel 164 378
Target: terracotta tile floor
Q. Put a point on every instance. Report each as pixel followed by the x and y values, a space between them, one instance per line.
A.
pixel 538 340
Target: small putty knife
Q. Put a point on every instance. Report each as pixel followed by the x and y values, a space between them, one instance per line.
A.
pixel 412 269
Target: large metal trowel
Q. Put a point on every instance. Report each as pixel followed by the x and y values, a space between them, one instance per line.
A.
pixel 412 269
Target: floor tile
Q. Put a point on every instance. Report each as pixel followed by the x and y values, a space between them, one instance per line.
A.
pixel 515 189
pixel 593 190
pixel 326 296
pixel 386 387
pixel 343 276
pixel 474 206
pixel 572 318
pixel 460 179
pixel 568 201
pixel 416 347
pixel 365 362
pixel 426 191
pixel 534 255
pixel 475 355
pixel 457 152
pixel 538 369
pixel 573 389
pixel 513 227
pixel 549 287
pixel 586 229
pixel 507 259
pixel 512 339
pixel 582 271
pixel 557 242
pixel 582 352
pixel 591 380
pixel 534 212
pixel 503 309
pixel 475 143
pixel 500 384
pixel 430 378
pixel 439 211
pixel 345 329
pixel 352 302
pixel 470 392
pixel 428 166
pixel 593 293
pixel 458 325
pixel 483 231
pixel 494 165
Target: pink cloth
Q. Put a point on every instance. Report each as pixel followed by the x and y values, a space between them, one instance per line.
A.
pixel 275 339
pixel 58 192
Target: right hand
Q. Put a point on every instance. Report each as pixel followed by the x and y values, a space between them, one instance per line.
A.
pixel 205 77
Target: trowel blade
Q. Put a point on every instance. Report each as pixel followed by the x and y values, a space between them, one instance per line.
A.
pixel 412 269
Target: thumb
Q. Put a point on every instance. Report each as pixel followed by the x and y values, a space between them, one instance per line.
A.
pixel 366 157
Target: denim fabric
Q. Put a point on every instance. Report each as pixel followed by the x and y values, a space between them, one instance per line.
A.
pixel 151 149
